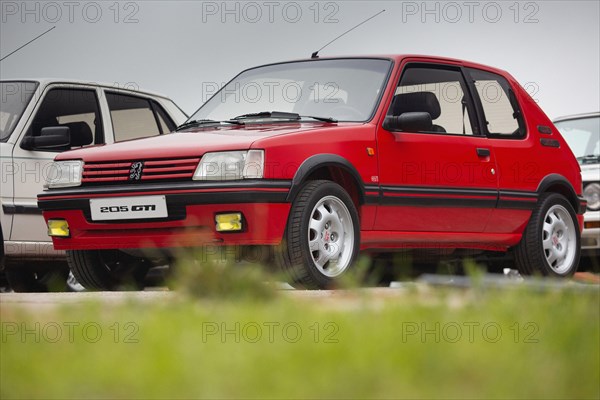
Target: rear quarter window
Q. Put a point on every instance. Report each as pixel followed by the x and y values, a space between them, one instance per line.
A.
pixel 501 112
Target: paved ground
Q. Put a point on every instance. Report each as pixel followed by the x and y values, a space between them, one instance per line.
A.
pixel 424 285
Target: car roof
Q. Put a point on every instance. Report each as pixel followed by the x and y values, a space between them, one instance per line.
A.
pixel 394 57
pixel 577 116
pixel 49 81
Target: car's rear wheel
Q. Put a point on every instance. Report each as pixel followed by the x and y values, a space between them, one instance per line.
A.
pixel 322 237
pixel 47 277
pixel 107 269
pixel 550 245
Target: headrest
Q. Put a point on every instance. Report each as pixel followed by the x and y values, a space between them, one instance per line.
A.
pixel 81 134
pixel 416 102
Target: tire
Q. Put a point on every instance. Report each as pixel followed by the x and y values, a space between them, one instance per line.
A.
pixel 27 279
pixel 107 269
pixel 323 225
pixel 551 242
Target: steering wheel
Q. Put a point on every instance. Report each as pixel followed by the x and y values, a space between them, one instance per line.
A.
pixel 345 110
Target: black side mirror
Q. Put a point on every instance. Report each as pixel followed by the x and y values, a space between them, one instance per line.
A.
pixel 52 137
pixel 409 122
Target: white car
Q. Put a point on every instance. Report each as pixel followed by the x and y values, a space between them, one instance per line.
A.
pixel 582 132
pixel 38 119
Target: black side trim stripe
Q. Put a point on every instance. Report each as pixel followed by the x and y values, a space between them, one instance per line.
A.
pixel 440 190
pixel 517 200
pixel 443 197
pixel 516 204
pixel 516 193
pixel 437 202
pixel 17 209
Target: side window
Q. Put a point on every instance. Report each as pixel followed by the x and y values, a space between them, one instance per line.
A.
pixel 134 117
pixel 74 108
pixel 500 108
pixel 439 91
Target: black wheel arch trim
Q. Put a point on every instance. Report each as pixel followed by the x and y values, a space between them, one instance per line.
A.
pixel 576 201
pixel 317 161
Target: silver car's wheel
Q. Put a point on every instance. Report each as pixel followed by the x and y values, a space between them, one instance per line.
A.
pixel 331 236
pixel 559 239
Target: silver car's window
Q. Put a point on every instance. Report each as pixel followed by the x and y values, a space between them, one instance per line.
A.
pixel 583 137
pixel 14 97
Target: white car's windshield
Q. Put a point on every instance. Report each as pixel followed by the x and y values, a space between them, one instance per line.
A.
pixel 14 97
pixel 339 89
pixel 583 137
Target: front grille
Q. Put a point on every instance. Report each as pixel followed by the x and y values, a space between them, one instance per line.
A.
pixel 154 170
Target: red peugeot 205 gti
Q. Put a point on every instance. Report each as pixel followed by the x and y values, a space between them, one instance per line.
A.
pixel 324 157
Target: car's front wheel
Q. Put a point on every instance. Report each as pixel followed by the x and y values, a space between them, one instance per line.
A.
pixel 107 269
pixel 550 245
pixel 322 237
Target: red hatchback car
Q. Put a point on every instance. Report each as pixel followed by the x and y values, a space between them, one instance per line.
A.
pixel 324 157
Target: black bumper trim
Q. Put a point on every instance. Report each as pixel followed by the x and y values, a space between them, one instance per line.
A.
pixel 162 187
pixel 18 209
pixel 176 203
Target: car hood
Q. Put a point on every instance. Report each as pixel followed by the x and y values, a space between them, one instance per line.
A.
pixel 192 143
pixel 590 172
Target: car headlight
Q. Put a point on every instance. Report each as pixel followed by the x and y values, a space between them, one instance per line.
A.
pixel 231 165
pixel 65 174
pixel 591 193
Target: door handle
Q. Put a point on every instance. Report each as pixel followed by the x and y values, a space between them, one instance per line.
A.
pixel 483 152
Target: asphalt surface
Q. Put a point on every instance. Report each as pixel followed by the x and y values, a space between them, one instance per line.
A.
pixel 424 285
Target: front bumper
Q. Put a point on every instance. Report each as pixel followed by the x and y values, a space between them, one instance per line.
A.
pixel 191 215
pixel 590 237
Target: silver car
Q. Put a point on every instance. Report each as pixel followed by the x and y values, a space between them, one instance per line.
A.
pixel 582 132
pixel 38 119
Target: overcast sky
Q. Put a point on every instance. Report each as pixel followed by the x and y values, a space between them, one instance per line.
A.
pixel 181 48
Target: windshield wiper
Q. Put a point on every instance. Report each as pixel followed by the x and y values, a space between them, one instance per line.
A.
pixel 201 122
pixel 324 119
pixel 268 114
pixel 196 122
pixel 281 115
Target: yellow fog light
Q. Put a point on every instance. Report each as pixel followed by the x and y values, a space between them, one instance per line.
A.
pixel 58 228
pixel 229 222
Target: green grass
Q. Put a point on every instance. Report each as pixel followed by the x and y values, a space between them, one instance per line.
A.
pixel 350 346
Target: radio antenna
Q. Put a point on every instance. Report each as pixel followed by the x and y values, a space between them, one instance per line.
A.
pixel 316 53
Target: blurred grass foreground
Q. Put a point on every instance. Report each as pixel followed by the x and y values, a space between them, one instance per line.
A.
pixel 420 341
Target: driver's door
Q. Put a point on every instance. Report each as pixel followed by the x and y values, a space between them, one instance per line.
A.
pixel 443 178
pixel 73 106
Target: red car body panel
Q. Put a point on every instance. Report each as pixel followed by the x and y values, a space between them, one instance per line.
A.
pixel 409 192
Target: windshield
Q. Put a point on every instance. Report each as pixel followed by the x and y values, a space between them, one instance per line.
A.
pixel 583 137
pixel 341 89
pixel 14 97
